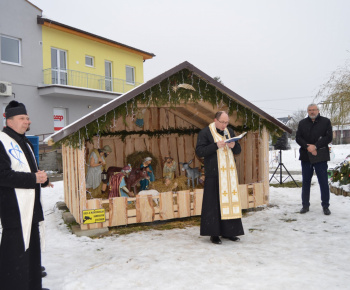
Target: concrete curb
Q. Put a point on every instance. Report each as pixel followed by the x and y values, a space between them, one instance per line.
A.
pixel 69 219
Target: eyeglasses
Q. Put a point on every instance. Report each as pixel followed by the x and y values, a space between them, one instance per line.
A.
pixel 222 122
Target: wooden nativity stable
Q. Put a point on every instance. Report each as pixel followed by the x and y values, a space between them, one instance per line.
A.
pixel 172 107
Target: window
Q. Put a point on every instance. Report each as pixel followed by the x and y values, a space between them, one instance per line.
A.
pixel 130 75
pixel 108 76
pixel 10 50
pixel 59 66
pixel 89 61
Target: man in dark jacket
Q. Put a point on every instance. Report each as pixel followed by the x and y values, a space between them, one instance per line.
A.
pixel 221 211
pixel 21 210
pixel 313 135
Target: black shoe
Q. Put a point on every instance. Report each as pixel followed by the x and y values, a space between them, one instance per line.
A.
pixel 45 289
pixel 304 210
pixel 42 268
pixel 215 240
pixel 43 274
pixel 234 239
pixel 326 211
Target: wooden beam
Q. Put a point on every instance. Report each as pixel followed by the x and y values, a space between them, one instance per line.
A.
pixel 187 119
pixel 193 108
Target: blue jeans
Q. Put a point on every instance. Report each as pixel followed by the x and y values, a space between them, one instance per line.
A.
pixel 322 176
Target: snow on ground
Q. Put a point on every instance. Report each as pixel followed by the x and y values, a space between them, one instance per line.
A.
pixel 290 158
pixel 281 249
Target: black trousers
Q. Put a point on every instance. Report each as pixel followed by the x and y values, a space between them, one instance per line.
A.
pixel 19 269
pixel 322 176
pixel 211 222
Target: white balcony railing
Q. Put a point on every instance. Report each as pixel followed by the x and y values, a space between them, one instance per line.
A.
pixel 85 80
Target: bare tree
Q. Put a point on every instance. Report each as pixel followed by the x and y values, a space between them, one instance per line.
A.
pixel 335 96
pixel 295 119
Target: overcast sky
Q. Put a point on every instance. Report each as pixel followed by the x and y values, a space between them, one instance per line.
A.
pixel 274 53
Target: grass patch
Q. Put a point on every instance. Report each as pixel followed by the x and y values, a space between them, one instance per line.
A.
pixel 252 230
pixel 287 184
pixel 159 226
pixel 288 220
pixel 70 225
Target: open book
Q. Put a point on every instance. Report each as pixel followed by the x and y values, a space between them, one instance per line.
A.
pixel 236 138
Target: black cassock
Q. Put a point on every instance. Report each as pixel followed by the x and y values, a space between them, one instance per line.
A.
pixel 19 269
pixel 211 222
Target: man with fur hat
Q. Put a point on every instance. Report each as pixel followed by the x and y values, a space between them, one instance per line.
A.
pixel 21 209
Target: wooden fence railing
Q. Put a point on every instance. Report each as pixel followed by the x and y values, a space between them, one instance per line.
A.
pixel 146 208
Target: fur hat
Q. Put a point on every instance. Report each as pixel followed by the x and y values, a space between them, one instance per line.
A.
pixel 14 108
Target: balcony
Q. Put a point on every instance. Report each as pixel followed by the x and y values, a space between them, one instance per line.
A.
pixel 78 79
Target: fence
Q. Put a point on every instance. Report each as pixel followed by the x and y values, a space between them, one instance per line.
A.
pixel 146 208
pixel 86 80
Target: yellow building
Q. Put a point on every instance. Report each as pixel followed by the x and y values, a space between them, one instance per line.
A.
pixel 77 58
pixel 82 71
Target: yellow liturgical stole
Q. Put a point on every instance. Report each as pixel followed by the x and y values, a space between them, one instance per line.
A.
pixel 230 203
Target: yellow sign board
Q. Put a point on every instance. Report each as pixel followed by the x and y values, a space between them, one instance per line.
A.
pixel 92 216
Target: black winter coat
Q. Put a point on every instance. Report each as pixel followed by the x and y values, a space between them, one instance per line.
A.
pixel 318 133
pixel 9 180
pixel 207 148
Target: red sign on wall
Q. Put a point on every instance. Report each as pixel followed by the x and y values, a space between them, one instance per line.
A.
pixel 59 118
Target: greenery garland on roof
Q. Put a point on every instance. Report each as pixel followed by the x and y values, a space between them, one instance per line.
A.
pixel 168 92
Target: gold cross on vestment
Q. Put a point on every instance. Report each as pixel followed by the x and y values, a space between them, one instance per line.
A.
pixel 234 192
pixel 224 193
pixel 231 167
pixel 223 168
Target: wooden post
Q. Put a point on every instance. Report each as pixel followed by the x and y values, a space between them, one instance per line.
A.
pixel 65 175
pixel 166 205
pixel 243 194
pixel 197 201
pixel 118 214
pixel 248 155
pixel 265 164
pixel 184 203
pixel 259 194
pixel 144 209
pixel 82 183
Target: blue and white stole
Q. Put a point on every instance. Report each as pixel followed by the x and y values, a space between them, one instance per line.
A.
pixel 25 197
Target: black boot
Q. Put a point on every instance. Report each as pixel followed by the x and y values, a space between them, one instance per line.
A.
pixel 215 240
pixel 326 211
pixel 233 238
pixel 304 210
pixel 43 273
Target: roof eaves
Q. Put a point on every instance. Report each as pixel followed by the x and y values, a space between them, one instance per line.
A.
pixel 34 5
pixel 41 21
